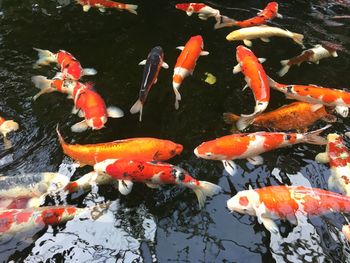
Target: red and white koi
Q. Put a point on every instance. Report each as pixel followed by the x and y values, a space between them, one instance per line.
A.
pixel 264 33
pixel 339 99
pixel 204 11
pixel 338 157
pixel 153 174
pixel 250 145
pixel 282 202
pixel 7 126
pixel 256 79
pixel 69 65
pixel 314 55
pixel 103 4
pixel 186 63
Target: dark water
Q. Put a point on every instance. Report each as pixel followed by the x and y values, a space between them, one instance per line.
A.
pixel 164 225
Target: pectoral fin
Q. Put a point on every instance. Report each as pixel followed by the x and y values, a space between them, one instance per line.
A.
pixel 256 160
pixel 230 167
pixel 86 8
pixel 143 62
pixel 322 158
pixel 269 224
pixel 125 187
pixel 165 65
pixel 262 60
pixel 153 186
pixel 114 112
pixel 204 53
pixel 102 10
pixel 180 47
pixel 79 127
pixel 247 42
pixel 342 110
pixel 237 68
pixel 264 39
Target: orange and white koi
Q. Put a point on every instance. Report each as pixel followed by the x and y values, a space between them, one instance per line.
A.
pixel 103 4
pixel 7 126
pixel 317 95
pixel 268 13
pixel 256 79
pixel 186 63
pixel 314 55
pixel 93 109
pixel 69 65
pixel 295 116
pixel 137 148
pixel 338 157
pixel 264 33
pixel 282 202
pixel 204 11
pixel 48 85
pixel 250 145
pixel 29 190
pixel 153 174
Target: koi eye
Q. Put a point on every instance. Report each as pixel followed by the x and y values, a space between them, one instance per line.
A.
pixel 243 201
pixel 208 154
pixel 181 176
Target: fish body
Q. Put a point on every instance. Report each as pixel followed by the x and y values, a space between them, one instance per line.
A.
pixel 69 65
pixel 311 55
pixel 154 62
pixel 204 11
pixel 7 126
pixel 295 116
pixel 137 148
pixel 103 4
pixel 317 95
pixel 256 79
pixel 251 145
pixel 338 157
pixel 29 190
pixel 186 63
pixel 282 202
pixel 13 221
pixel 127 171
pixel 262 32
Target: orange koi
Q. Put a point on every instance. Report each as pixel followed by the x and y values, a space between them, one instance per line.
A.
pixel 282 202
pixel 186 63
pixel 7 126
pixel 250 145
pixel 295 116
pixel 139 148
pixel 103 4
pixel 317 95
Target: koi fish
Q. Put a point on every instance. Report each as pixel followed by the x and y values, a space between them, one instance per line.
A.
pixel 317 95
pixel 153 174
pixel 203 11
pixel 338 157
pixel 69 65
pixel 256 79
pixel 250 145
pixel 268 13
pixel 295 116
pixel 103 4
pixel 310 55
pixel 13 221
pixel 29 190
pixel 264 33
pixel 137 148
pixel 282 202
pixel 186 63
pixel 7 126
pixel 150 75
pixel 93 109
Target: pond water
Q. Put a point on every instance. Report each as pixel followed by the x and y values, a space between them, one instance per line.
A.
pixel 165 225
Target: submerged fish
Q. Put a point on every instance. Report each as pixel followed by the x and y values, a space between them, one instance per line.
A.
pixel 250 145
pixel 103 4
pixel 136 148
pixel 295 116
pixel 186 63
pixel 315 94
pixel 282 202
pixel 7 126
pixel 264 33
pixel 311 55
pixel 150 75
pixel 154 174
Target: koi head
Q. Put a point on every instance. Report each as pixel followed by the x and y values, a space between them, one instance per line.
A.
pixel 96 123
pixel 272 7
pixel 54 181
pixel 241 52
pixel 210 151
pixel 190 8
pixel 234 35
pixel 106 167
pixel 73 70
pixel 197 39
pixel 244 202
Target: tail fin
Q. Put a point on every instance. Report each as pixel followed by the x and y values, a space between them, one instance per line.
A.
pixel 137 107
pixel 43 84
pixel 298 38
pixel 60 138
pixel 230 118
pixel 205 189
pixel 225 22
pixel 177 97
pixel 89 71
pixel 131 8
pixel 314 138
pixel 244 122
pixel 45 58
pixel 285 68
